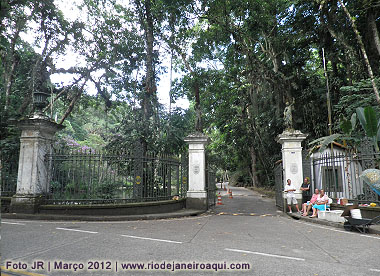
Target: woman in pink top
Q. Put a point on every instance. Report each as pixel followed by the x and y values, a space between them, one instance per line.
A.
pixel 307 206
pixel 322 199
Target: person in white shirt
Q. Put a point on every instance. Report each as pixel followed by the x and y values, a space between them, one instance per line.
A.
pixel 290 195
pixel 320 203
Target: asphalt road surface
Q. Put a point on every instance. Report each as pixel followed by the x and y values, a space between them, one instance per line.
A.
pixel 244 236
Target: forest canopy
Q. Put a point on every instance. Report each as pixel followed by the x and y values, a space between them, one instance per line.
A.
pixel 238 62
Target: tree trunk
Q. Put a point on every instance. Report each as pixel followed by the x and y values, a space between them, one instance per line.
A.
pixel 349 71
pixel 253 96
pixel 198 111
pixel 8 83
pixel 149 96
pixel 150 86
pixel 10 63
pixel 148 100
pixel 196 87
pixel 279 101
pixel 255 181
pixel 361 44
pixel 373 28
pixel 27 100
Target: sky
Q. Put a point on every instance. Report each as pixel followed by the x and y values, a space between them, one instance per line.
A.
pixel 70 59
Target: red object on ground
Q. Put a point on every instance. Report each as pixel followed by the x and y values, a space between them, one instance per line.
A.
pixel 219 200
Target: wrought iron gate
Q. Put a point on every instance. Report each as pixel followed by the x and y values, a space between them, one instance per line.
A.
pixel 90 177
pixel 279 184
pixel 210 186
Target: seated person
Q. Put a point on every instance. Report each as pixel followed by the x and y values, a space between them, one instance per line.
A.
pixel 307 206
pixel 322 199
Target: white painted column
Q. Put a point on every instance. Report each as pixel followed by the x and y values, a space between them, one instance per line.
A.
pixel 292 158
pixel 197 194
pixel 32 181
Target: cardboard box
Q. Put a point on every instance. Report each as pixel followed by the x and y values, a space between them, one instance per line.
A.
pixel 343 201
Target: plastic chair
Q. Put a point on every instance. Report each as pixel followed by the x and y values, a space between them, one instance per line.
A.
pixel 327 205
pixel 321 214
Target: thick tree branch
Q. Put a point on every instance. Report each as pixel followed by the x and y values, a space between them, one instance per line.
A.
pixel 73 101
pixel 101 92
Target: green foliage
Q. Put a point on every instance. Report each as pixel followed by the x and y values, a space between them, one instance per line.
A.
pixel 166 136
pixel 83 180
pixel 361 86
pixel 370 123
pixel 348 104
pixel 245 58
pixel 368 120
pixel 346 126
pixel 240 177
pixel 323 142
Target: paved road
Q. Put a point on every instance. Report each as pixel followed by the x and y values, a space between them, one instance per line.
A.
pixel 244 230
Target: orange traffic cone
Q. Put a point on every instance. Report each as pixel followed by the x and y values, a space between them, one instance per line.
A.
pixel 219 200
pixel 230 193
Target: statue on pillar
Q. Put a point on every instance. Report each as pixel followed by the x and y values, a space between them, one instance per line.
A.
pixel 198 120
pixel 288 118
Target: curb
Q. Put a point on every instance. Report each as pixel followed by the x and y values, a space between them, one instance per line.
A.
pixel 373 229
pixel 178 214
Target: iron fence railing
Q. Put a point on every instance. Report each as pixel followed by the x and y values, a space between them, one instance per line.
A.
pixel 8 174
pixel 279 184
pixel 338 174
pixel 211 186
pixel 89 177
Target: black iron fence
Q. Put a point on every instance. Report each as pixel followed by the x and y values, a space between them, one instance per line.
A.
pixel 279 185
pixel 92 177
pixel 338 174
pixel 211 186
pixel 8 174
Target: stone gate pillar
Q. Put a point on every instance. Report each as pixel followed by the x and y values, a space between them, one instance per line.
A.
pixel 32 181
pixel 292 158
pixel 197 194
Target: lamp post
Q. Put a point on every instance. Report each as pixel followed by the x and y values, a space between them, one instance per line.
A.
pixel 40 102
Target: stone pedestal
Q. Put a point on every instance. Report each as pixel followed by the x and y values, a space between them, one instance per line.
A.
pixel 292 159
pixel 32 180
pixel 197 194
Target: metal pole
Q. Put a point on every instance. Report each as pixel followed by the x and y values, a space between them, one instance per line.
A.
pixel 328 92
pixel 329 112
